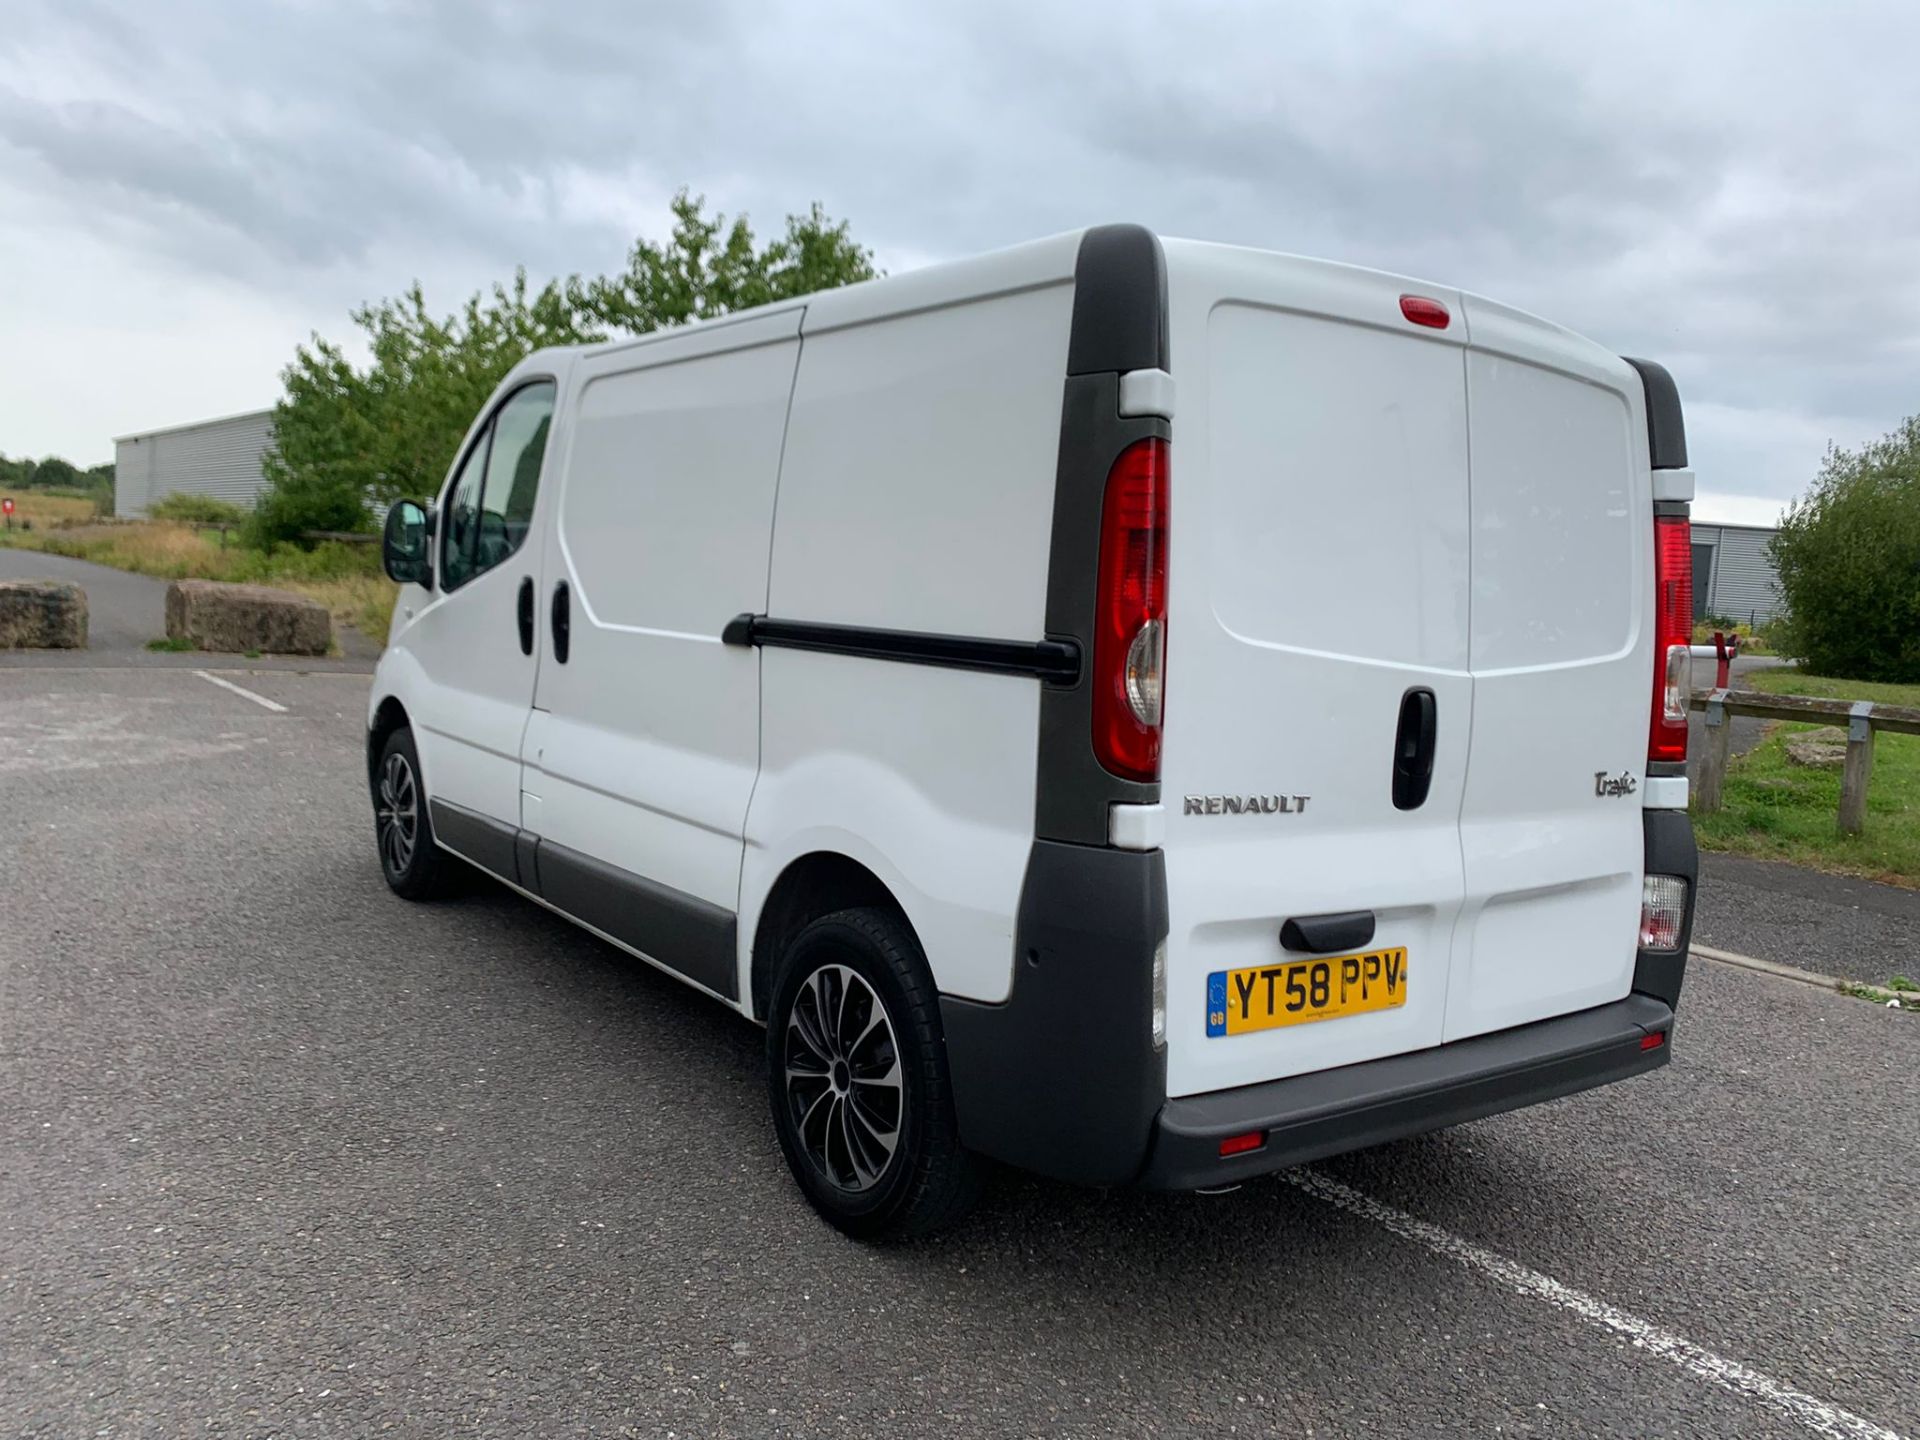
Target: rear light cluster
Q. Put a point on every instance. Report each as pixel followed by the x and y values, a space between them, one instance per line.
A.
pixel 1663 910
pixel 1130 624
pixel 1673 635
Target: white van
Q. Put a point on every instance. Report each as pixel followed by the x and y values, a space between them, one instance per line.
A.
pixel 1149 712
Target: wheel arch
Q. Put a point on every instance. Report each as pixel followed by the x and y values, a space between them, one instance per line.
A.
pixel 388 716
pixel 815 884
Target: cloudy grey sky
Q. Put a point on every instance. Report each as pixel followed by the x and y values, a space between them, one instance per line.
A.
pixel 188 188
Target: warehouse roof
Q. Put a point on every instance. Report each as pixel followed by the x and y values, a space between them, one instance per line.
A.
pixel 193 425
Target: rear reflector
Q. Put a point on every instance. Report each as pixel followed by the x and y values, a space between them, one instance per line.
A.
pixel 1241 1144
pixel 1672 637
pixel 1422 311
pixel 1653 1041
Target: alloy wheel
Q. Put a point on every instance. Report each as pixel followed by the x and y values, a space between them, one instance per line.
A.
pixel 843 1078
pixel 397 815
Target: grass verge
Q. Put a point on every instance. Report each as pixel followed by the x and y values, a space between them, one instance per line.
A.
pixel 1788 681
pixel 1776 810
pixel 344 578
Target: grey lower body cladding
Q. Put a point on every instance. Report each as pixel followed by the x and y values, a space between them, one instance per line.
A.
pixel 1063 1079
pixel 682 932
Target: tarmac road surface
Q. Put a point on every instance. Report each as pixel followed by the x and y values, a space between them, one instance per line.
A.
pixel 283 1155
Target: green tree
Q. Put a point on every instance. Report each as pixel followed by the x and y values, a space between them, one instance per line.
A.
pixel 99 480
pixel 1848 554
pixel 709 268
pixel 346 436
pixel 53 472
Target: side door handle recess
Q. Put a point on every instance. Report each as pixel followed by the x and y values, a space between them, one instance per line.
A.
pixel 562 619
pixel 525 608
pixel 1413 749
pixel 1324 934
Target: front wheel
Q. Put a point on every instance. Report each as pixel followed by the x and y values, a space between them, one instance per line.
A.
pixel 413 865
pixel 856 1067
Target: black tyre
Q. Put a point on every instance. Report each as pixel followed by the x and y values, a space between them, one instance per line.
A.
pixel 415 867
pixel 857 1073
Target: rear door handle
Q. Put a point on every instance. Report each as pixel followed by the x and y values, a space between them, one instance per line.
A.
pixel 1324 934
pixel 525 608
pixel 562 620
pixel 1413 748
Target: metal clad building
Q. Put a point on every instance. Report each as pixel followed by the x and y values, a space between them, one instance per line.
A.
pixel 220 458
pixel 1733 573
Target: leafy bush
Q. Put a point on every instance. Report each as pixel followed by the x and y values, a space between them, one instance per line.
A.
pixel 299 500
pixel 1849 561
pixel 197 510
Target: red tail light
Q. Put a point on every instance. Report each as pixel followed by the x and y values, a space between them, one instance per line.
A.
pixel 1672 635
pixel 1130 623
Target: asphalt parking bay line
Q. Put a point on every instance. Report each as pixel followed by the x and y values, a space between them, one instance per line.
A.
pixel 241 690
pixel 1822 1417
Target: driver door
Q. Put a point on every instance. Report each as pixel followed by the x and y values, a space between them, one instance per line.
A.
pixel 476 644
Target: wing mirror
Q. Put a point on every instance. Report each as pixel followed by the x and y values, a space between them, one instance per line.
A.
pixel 404 551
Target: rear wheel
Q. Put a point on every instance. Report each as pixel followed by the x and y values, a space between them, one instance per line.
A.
pixel 856 1067
pixel 414 866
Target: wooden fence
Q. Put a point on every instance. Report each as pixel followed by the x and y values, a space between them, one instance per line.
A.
pixel 344 537
pixel 1861 718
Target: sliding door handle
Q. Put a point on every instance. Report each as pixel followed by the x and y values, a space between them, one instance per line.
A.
pixel 562 622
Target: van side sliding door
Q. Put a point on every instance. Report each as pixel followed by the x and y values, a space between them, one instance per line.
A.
pixel 644 741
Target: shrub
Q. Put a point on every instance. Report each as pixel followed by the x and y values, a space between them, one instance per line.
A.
pixel 299 501
pixel 1849 560
pixel 197 510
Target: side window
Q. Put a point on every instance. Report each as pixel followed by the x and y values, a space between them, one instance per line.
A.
pixel 462 517
pixel 513 473
pixel 490 506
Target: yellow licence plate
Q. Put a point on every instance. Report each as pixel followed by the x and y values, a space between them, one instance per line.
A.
pixel 1263 997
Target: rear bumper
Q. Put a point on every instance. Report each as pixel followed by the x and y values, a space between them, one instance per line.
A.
pixel 1308 1117
pixel 1062 1077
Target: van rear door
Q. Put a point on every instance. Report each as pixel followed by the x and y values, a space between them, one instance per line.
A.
pixel 1318 577
pixel 1561 651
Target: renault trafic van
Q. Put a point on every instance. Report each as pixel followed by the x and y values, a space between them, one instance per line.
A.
pixel 1149 712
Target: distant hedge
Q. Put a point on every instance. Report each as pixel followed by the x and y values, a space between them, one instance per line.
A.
pixel 197 509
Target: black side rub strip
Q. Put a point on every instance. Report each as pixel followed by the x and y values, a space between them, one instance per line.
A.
pixel 1055 661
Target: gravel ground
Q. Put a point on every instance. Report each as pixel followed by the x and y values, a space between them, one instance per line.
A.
pixel 281 1155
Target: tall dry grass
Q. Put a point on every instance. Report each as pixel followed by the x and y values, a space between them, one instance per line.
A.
pixel 43 509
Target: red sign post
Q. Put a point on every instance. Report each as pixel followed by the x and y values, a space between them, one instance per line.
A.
pixel 6 509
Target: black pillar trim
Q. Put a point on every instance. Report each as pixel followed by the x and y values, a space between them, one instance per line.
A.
pixel 1666 423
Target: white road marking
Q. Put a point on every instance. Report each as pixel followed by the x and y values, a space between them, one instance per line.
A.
pixel 1820 1416
pixel 260 700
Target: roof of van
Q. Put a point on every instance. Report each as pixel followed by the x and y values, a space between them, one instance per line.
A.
pixel 1032 265
pixel 1019 267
